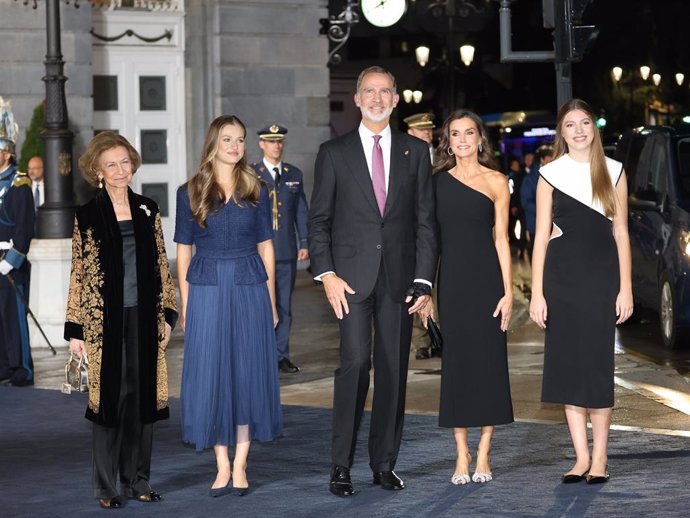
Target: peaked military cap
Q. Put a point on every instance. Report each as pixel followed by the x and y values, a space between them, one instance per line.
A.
pixel 420 121
pixel 272 132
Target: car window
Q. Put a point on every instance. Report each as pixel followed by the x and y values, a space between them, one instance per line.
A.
pixel 641 176
pixel 635 144
pixel 658 170
pixel 684 165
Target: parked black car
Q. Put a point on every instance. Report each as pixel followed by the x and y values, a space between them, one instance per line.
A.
pixel 657 162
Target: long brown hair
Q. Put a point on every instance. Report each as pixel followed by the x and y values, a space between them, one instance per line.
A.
pixel 602 188
pixel 445 161
pixel 204 192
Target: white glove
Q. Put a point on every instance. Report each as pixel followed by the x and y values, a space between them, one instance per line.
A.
pixel 6 245
pixel 5 267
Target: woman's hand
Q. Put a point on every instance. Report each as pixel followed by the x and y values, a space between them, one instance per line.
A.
pixel 624 306
pixel 505 309
pixel 275 316
pixel 77 347
pixel 538 311
pixel 181 319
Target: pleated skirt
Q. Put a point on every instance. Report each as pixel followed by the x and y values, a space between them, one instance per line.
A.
pixel 230 367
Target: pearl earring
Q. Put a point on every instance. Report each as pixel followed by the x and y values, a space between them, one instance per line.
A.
pixel 100 182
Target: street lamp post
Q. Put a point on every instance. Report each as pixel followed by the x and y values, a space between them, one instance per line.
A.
pixel 55 216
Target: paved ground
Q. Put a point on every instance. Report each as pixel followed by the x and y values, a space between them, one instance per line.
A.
pixel 650 394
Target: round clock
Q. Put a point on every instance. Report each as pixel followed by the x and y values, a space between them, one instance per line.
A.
pixel 383 13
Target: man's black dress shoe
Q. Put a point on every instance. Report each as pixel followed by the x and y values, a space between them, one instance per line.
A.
pixel 110 503
pixel 340 484
pixel 423 353
pixel 150 496
pixel 285 365
pixel 388 480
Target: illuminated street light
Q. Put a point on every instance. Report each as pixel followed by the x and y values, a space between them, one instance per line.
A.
pixel 657 79
pixel 422 55
pixel 679 78
pixel 407 96
pixel 417 96
pixel 617 73
pixel 644 72
pixel 467 54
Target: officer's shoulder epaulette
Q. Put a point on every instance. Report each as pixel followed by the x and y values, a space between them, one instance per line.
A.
pixel 21 179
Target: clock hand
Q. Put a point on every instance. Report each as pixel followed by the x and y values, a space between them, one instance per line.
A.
pixel 380 4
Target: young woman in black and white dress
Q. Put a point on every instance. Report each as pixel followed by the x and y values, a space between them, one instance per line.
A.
pixel 581 282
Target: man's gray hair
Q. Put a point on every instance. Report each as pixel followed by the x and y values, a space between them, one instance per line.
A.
pixel 375 70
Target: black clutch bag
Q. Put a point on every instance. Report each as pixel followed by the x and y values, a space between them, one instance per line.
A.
pixel 434 336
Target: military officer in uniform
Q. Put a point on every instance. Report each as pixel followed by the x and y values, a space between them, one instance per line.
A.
pixel 290 227
pixel 421 125
pixel 17 219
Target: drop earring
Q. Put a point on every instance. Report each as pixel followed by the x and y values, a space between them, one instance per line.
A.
pixel 480 147
pixel 449 150
pixel 100 182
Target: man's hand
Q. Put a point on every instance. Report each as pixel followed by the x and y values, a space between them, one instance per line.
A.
pixel 302 254
pixel 419 294
pixel 5 267
pixel 335 288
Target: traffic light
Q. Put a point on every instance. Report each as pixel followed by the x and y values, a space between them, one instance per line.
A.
pixel 571 40
pixel 601 121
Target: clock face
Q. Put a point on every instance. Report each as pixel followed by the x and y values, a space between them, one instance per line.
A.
pixel 383 13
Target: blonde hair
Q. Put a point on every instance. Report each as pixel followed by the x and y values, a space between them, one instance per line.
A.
pixel 602 188
pixel 445 161
pixel 204 192
pixel 105 140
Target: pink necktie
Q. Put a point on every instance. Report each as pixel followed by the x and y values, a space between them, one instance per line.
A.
pixel 378 174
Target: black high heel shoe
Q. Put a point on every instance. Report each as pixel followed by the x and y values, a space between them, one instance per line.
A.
pixel 221 491
pixel 599 479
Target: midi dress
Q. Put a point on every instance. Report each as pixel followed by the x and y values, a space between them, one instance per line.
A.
pixel 581 283
pixel 230 366
pixel 475 387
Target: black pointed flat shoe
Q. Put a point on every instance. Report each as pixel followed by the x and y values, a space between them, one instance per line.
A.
pixel 110 503
pixel 572 478
pixel 599 479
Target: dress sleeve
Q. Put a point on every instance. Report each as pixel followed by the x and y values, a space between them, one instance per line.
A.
pixel 74 323
pixel 264 229
pixel 184 219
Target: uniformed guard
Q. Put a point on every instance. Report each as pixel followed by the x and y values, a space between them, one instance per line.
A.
pixel 421 125
pixel 290 226
pixel 16 231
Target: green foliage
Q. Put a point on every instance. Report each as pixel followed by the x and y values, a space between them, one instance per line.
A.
pixel 33 144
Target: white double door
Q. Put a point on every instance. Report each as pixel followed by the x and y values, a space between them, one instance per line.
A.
pixel 139 93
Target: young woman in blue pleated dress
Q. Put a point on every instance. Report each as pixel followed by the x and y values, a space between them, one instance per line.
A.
pixel 230 390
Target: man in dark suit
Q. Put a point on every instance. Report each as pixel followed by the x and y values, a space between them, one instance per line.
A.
pixel 373 246
pixel 289 224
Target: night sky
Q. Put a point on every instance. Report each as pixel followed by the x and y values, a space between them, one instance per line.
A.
pixel 632 33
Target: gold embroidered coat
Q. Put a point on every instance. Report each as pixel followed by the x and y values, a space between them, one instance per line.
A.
pixel 95 307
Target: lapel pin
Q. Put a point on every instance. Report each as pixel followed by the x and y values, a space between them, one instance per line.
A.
pixel 407 152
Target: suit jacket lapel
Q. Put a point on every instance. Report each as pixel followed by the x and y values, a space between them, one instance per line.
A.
pixel 357 163
pixel 398 167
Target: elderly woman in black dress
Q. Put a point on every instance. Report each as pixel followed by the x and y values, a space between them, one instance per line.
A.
pixel 120 313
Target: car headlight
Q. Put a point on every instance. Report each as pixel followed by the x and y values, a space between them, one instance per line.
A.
pixel 685 242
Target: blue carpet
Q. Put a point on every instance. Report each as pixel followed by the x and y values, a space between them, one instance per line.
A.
pixel 45 470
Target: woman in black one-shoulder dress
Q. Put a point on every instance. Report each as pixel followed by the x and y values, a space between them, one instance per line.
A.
pixel 474 290
pixel 581 282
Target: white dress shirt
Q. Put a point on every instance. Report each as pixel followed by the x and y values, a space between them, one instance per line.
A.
pixel 268 165
pixel 41 191
pixel 367 138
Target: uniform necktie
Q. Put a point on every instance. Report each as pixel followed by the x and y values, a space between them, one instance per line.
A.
pixel 276 171
pixel 378 174
pixel 37 197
